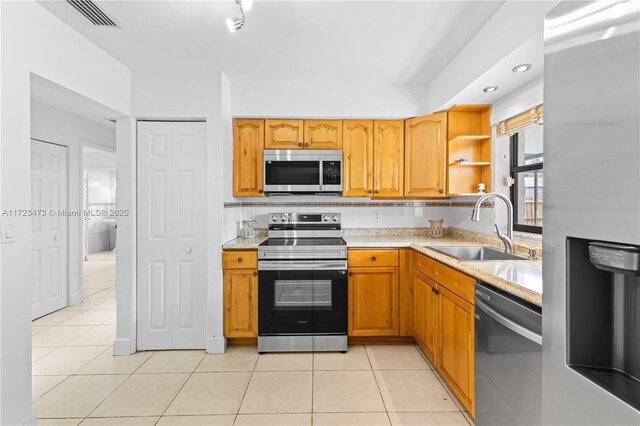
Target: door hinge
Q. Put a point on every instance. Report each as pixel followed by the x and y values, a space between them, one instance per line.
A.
pixel 509 181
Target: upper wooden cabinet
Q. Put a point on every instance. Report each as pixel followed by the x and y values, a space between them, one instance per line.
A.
pixel 388 154
pixel 248 145
pixel 468 149
pixel 357 145
pixel 322 134
pixel 283 134
pixel 425 156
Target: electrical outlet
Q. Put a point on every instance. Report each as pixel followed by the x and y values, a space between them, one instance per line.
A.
pixel 376 215
pixel 252 214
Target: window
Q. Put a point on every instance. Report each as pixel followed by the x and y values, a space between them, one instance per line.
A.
pixel 527 179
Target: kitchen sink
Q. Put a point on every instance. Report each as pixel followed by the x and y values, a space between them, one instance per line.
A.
pixel 476 253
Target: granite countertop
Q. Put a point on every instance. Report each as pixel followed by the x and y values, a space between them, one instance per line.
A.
pixel 522 278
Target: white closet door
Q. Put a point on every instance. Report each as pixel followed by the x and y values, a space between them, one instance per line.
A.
pixel 171 235
pixel 48 232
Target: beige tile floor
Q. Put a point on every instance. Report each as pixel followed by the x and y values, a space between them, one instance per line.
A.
pixel 76 380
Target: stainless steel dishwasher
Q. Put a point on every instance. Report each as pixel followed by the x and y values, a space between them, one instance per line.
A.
pixel 508 359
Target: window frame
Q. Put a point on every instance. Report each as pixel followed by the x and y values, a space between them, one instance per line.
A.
pixel 514 169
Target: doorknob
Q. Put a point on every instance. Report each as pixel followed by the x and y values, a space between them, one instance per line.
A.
pixel 55 238
pixel 188 250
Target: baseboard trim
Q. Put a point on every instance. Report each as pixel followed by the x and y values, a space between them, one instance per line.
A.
pixel 381 340
pixel 216 345
pixel 74 299
pixel 123 347
pixel 30 420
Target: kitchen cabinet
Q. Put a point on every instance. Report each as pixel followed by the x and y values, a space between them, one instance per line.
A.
pixel 248 146
pixel 444 324
pixel 283 134
pixel 469 157
pixel 426 310
pixel 357 145
pixel 457 348
pixel 425 156
pixel 323 134
pixel 240 288
pixel 373 293
pixel 388 154
pixel 405 291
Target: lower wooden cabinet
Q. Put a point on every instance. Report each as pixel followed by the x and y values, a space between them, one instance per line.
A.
pixel 373 301
pixel 425 315
pixel 444 324
pixel 241 303
pixel 457 353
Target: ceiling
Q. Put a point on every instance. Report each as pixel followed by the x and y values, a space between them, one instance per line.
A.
pixel 381 42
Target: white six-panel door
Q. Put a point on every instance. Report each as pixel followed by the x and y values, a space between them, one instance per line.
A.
pixel 171 295
pixel 48 227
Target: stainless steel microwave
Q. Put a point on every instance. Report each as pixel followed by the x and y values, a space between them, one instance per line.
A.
pixel 302 172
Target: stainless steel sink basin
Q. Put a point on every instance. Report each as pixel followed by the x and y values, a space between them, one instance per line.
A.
pixel 476 253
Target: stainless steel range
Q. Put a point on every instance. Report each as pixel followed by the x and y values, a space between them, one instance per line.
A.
pixel 302 284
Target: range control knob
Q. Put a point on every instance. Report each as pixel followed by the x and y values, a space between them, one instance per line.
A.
pixel 285 217
pixel 274 218
pixel 335 218
pixel 325 218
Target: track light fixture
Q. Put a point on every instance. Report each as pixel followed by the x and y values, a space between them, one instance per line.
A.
pixel 234 24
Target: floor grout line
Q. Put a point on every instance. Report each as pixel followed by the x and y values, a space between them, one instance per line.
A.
pixel 378 385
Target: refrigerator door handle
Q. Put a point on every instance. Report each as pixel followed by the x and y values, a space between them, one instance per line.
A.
pixel 516 328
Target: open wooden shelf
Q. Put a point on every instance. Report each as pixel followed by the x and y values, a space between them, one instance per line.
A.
pixel 469 137
pixel 469 164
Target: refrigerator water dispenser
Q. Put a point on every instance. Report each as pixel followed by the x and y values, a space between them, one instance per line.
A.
pixel 603 315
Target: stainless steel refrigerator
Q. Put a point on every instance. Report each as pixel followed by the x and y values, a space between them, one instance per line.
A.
pixel 591 311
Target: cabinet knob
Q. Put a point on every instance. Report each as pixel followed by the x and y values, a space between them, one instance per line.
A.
pixel 306 144
pixel 370 191
pixel 255 274
pixel 440 191
pixel 377 191
pixel 374 258
pixel 350 273
pixel 300 144
pixel 239 260
pixel 260 191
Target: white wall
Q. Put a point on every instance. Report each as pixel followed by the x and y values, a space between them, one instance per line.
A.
pixel 34 41
pixel 187 95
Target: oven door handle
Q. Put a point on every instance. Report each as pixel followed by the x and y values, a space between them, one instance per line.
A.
pixel 296 265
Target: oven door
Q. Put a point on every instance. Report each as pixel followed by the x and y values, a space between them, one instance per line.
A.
pixel 292 171
pixel 302 298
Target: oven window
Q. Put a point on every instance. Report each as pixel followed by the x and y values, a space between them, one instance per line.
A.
pixel 292 172
pixel 296 294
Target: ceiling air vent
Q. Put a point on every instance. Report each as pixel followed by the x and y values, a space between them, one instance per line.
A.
pixel 94 13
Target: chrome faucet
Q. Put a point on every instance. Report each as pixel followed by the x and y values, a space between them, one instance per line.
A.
pixel 506 239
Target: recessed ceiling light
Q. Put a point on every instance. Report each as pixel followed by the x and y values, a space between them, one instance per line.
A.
pixel 522 68
pixel 490 89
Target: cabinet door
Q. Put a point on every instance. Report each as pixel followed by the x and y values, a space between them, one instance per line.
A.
pixel 357 145
pixel 388 157
pixel 323 134
pixel 283 134
pixel 241 303
pixel 373 301
pixel 425 156
pixel 248 145
pixel 426 315
pixel 457 356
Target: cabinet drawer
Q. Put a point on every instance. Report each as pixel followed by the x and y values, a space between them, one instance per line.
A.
pixel 236 259
pixel 369 258
pixel 457 282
